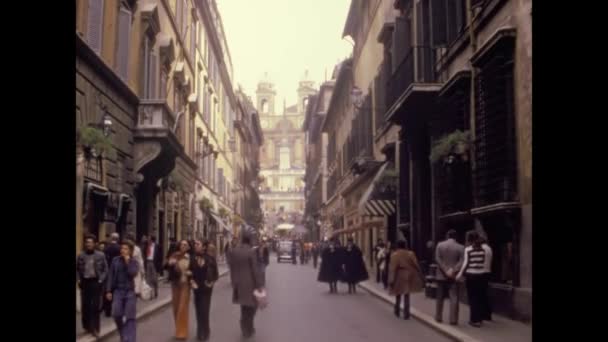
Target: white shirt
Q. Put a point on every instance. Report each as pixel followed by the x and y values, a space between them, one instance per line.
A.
pixel 150 257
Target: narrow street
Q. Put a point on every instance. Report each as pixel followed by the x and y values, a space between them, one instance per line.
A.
pixel 301 309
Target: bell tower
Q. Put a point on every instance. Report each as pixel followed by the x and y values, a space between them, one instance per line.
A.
pixel 306 88
pixel 265 96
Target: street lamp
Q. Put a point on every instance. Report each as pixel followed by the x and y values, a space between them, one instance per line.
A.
pixel 106 123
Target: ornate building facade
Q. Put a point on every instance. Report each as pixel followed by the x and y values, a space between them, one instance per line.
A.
pixel 282 156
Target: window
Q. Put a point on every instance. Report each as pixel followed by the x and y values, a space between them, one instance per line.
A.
pixel 264 106
pixel 164 80
pixel 123 39
pixel 193 39
pixel 184 26
pixel 95 24
pixel 150 69
pixel 191 148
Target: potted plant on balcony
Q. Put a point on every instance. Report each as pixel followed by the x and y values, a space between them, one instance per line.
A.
pixel 94 142
pixel 205 205
pixel 223 213
pixel 450 146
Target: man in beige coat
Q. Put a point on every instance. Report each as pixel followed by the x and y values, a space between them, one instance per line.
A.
pixel 246 276
pixel 404 277
pixel 449 256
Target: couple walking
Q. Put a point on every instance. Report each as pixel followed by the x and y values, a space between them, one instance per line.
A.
pixel 342 264
pixel 198 272
pixel 454 262
pixel 117 282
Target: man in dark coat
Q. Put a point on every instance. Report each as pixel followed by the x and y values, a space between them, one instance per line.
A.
pixel 92 271
pixel 245 276
pixel 331 267
pixel 315 254
pixel 354 266
pixel 111 251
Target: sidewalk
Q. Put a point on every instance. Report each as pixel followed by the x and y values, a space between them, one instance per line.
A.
pixel 144 308
pixel 501 329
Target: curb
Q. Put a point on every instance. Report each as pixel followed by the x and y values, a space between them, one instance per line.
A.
pixel 111 329
pixel 446 330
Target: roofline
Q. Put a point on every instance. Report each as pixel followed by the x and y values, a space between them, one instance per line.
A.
pixel 346 65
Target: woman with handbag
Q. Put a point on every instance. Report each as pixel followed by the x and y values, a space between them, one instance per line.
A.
pixel 204 274
pixel 404 277
pixel 180 275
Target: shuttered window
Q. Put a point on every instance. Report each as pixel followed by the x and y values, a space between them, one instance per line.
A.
pixel 95 24
pixel 184 25
pixel 439 21
pixel 193 41
pixel 124 36
pixel 401 41
pixel 179 15
pixel 150 70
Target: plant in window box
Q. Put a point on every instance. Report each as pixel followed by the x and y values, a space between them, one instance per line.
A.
pixel 95 143
pixel 205 205
pixel 452 146
pixel 223 213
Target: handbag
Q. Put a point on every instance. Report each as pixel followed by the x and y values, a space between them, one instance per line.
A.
pixel 261 298
pixel 146 291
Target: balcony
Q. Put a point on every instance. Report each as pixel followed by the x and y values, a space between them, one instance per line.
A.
pixel 413 86
pixel 156 146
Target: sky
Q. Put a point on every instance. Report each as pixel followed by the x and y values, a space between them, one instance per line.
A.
pixel 284 38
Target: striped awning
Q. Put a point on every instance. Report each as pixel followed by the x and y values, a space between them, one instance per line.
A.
pixel 374 204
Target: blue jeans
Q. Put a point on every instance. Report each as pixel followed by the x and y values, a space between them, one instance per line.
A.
pixel 124 312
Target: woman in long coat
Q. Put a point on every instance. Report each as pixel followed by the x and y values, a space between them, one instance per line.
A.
pixel 354 266
pixel 331 267
pixel 404 277
pixel 180 276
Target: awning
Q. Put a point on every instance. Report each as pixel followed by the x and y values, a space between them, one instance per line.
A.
pixel 220 222
pixel 375 203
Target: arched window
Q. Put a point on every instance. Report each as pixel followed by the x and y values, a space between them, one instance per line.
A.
pixel 264 106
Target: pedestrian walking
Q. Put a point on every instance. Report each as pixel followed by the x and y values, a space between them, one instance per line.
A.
pixel 120 289
pixel 111 251
pixel 154 264
pixel 354 266
pixel 204 274
pixel 180 275
pixel 449 256
pixel 302 252
pixel 92 270
pixel 246 277
pixel 138 256
pixel 294 253
pixel 315 254
pixel 404 277
pixel 389 249
pixel 377 249
pixel 487 307
pixel 473 269
pixel 331 267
